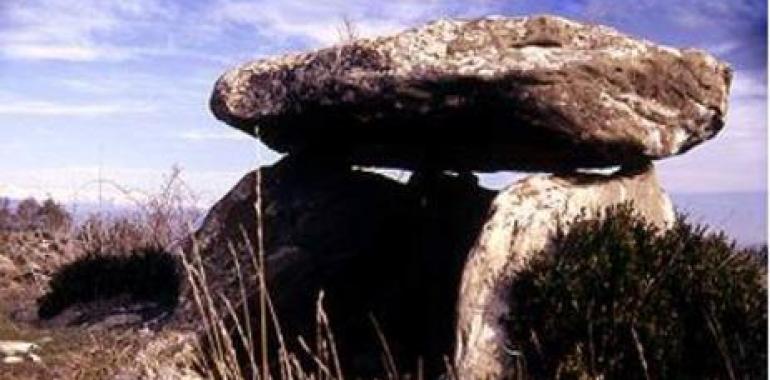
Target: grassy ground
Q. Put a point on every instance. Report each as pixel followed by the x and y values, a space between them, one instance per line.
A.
pixel 67 353
pixel 82 351
pixel 31 257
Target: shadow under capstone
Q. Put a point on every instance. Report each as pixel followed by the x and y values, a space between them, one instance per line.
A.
pixel 376 247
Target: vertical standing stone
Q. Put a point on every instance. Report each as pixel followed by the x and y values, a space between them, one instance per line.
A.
pixel 523 221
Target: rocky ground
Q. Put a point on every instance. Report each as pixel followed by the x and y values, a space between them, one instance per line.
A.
pixel 105 339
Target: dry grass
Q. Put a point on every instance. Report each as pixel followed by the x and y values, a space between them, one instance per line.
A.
pixel 31 256
pixel 157 220
pixel 230 348
pixel 347 31
pixel 72 353
pixel 228 331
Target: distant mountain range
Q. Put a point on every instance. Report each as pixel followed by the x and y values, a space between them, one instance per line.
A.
pixel 743 216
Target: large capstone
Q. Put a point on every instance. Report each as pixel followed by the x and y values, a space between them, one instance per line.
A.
pixel 530 93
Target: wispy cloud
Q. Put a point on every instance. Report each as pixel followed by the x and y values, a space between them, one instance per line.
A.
pixel 227 134
pixel 724 47
pixel 52 52
pixel 44 108
pixel 95 30
pixel 748 84
pixel 734 30
pixel 77 30
pixel 320 22
pixel 120 185
pixel 92 60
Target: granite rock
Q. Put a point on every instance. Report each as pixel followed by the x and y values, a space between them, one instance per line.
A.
pixel 530 93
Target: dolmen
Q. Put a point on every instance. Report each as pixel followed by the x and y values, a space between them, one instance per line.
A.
pixel 432 258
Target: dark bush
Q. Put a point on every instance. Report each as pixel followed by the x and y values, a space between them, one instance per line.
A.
pixel 619 299
pixel 144 275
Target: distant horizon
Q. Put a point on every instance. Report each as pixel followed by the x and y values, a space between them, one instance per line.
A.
pixel 741 215
pixel 119 91
pixel 123 87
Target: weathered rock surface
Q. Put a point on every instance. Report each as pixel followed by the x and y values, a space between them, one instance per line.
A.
pixel 489 94
pixel 373 244
pixel 523 221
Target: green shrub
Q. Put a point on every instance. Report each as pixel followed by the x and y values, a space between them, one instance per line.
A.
pixel 622 300
pixel 144 275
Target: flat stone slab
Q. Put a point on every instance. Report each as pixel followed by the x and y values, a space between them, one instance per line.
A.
pixel 531 93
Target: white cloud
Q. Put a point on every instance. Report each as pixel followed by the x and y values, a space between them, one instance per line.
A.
pixel 693 14
pixel 44 108
pixel 139 88
pixel 723 48
pixel 748 84
pixel 53 52
pixel 736 159
pixel 12 145
pixel 76 30
pixel 120 185
pixel 95 30
pixel 227 134
pixel 96 86
pixel 98 31
pixel 320 22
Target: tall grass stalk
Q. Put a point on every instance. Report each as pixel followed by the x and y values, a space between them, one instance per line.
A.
pixel 218 351
pixel 228 345
pixel 261 273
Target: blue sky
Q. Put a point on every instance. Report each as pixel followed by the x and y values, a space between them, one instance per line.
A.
pixel 123 85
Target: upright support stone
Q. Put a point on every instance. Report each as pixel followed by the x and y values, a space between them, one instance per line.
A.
pixel 378 248
pixel 523 221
